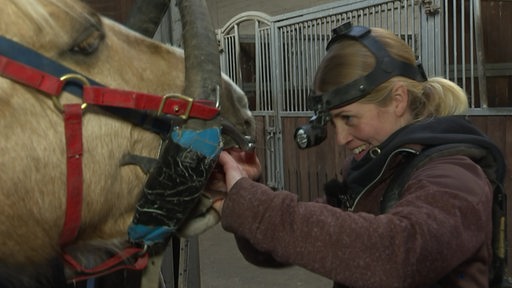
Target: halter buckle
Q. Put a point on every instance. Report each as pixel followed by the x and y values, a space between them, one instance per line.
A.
pixel 166 97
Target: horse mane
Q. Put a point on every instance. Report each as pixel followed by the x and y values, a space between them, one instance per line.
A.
pixel 36 12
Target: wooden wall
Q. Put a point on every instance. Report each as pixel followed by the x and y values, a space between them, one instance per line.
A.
pixel 496 17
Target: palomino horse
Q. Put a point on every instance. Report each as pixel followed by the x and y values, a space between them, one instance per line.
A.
pixel 33 159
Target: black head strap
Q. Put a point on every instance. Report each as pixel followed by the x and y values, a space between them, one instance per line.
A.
pixel 386 67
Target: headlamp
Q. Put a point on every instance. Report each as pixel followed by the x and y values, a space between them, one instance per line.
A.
pixel 313 133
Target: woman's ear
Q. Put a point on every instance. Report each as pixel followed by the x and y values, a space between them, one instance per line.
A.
pixel 400 99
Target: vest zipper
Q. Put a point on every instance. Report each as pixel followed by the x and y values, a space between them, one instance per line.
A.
pixel 351 209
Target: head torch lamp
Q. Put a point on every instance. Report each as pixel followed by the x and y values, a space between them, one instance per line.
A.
pixel 315 131
pixel 386 67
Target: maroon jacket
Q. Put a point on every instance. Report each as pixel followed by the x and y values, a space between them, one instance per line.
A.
pixel 439 232
pixel 440 229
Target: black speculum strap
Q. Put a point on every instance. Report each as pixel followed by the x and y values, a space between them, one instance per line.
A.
pixel 174 185
pixel 386 67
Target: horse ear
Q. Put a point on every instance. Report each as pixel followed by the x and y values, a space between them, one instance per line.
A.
pixel 202 71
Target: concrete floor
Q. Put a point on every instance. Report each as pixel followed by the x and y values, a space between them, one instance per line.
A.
pixel 222 266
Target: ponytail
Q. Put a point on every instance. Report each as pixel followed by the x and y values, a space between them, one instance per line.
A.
pixel 439 97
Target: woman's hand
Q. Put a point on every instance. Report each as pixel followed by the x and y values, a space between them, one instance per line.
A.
pixel 248 161
pixel 239 164
pixel 234 164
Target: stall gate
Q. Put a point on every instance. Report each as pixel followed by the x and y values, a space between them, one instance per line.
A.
pixel 273 59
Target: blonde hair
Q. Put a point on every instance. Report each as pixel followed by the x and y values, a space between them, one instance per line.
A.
pixel 347 60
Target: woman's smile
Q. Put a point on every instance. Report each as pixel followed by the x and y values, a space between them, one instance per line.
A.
pixel 360 151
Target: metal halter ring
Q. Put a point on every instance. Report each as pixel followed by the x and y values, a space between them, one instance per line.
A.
pixel 70 77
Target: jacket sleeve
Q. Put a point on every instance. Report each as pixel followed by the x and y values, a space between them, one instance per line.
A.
pixel 256 257
pixel 441 221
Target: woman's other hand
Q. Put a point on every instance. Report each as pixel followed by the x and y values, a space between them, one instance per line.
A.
pixel 248 161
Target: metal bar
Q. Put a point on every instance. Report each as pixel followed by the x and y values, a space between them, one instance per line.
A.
pixel 413 32
pixel 189 275
pixel 399 31
pixel 267 70
pixel 294 68
pixel 471 52
pixel 455 37
pixel 167 280
pixel 238 58
pixel 303 63
pixel 447 43
pixel 258 58
pixel 482 83
pixel 277 160
pixel 463 44
pixel 262 63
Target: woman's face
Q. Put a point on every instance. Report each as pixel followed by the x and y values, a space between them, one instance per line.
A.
pixel 361 126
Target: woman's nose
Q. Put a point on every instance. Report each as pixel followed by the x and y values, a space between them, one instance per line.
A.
pixel 342 135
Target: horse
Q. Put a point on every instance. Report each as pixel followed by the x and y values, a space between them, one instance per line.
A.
pixel 33 160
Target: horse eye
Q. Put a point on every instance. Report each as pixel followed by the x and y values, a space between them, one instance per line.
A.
pixel 89 42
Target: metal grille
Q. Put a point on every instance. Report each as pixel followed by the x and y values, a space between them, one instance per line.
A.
pixel 229 65
pixel 465 57
pixel 303 43
pixel 264 79
pixel 257 26
pixel 444 34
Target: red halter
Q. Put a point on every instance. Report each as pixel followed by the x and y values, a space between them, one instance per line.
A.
pixel 172 104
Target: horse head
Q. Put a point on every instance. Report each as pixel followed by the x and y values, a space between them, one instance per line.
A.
pixel 33 161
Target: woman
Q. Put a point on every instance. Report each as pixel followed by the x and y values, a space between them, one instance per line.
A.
pixel 435 232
